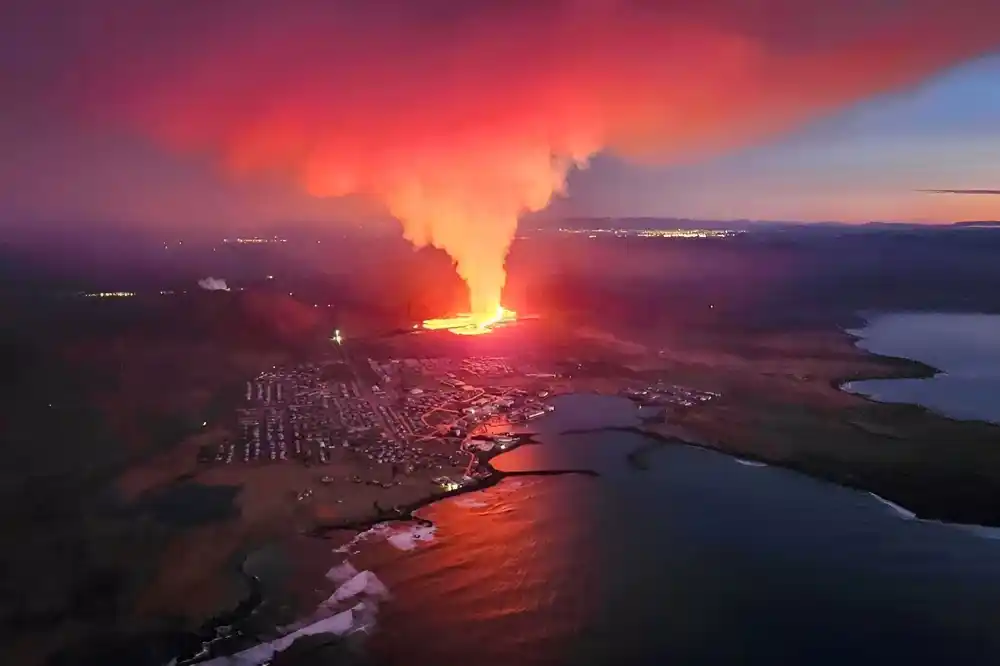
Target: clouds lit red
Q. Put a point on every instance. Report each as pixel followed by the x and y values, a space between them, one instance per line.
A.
pixel 460 116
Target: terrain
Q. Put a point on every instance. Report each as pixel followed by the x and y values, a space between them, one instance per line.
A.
pixel 113 530
pixel 781 404
pixel 102 388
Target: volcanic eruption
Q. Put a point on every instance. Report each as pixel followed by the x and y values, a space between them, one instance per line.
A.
pixel 468 323
pixel 457 117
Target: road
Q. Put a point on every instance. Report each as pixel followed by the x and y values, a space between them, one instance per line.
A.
pixel 363 388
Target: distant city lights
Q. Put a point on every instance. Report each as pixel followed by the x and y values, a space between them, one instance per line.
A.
pixel 110 294
pixel 254 240
pixel 655 233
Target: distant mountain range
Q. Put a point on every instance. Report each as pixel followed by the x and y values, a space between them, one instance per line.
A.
pixel 984 223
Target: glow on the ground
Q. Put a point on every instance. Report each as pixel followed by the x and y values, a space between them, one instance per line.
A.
pixel 471 324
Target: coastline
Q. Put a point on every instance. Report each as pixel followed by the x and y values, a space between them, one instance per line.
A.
pixel 911 369
pixel 208 633
pixel 882 494
pixel 931 503
pixel 223 626
pixel 407 512
pixel 885 493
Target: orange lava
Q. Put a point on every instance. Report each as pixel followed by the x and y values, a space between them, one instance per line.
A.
pixel 471 324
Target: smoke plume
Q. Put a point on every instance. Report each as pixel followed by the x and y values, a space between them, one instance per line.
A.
pixel 459 116
pixel 213 284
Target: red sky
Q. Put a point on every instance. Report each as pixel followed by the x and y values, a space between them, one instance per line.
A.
pixel 436 109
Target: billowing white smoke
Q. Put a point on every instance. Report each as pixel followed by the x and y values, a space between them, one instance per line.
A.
pixel 213 284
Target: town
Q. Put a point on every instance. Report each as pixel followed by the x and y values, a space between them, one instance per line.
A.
pixel 668 395
pixel 430 417
pixel 416 414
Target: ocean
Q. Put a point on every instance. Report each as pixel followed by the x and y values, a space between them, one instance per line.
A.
pixel 699 559
pixel 964 347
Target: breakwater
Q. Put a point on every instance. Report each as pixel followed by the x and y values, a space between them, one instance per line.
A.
pixel 407 512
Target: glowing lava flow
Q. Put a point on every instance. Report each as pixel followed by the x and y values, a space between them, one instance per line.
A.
pixel 471 324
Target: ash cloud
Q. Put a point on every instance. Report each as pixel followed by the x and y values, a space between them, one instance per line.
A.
pixel 458 116
pixel 213 284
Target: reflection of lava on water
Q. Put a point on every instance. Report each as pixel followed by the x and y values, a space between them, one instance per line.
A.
pixel 472 324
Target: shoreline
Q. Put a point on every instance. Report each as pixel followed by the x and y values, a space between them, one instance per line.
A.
pixel 894 367
pixel 873 482
pixel 407 512
pixel 918 370
pixel 657 439
pixel 209 632
pixel 912 368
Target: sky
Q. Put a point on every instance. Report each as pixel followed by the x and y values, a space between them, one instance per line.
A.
pixel 237 114
pixel 866 162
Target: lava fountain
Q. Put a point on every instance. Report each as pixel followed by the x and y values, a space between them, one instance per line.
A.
pixel 458 127
pixel 472 324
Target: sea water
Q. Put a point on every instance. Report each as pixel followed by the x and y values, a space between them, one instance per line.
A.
pixel 965 348
pixel 696 560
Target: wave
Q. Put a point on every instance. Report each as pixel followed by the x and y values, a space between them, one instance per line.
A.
pixel 410 538
pixel 361 588
pixel 898 510
pixel 981 531
pixel 374 531
pixel 341 573
pixel 340 624
pixel 749 463
pixel 470 503
pixel 364 582
pixel 406 538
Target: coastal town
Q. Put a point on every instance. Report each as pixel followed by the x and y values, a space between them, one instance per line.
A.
pixel 410 429
pixel 351 438
pixel 415 415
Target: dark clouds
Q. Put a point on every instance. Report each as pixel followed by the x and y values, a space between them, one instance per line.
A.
pixel 986 192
